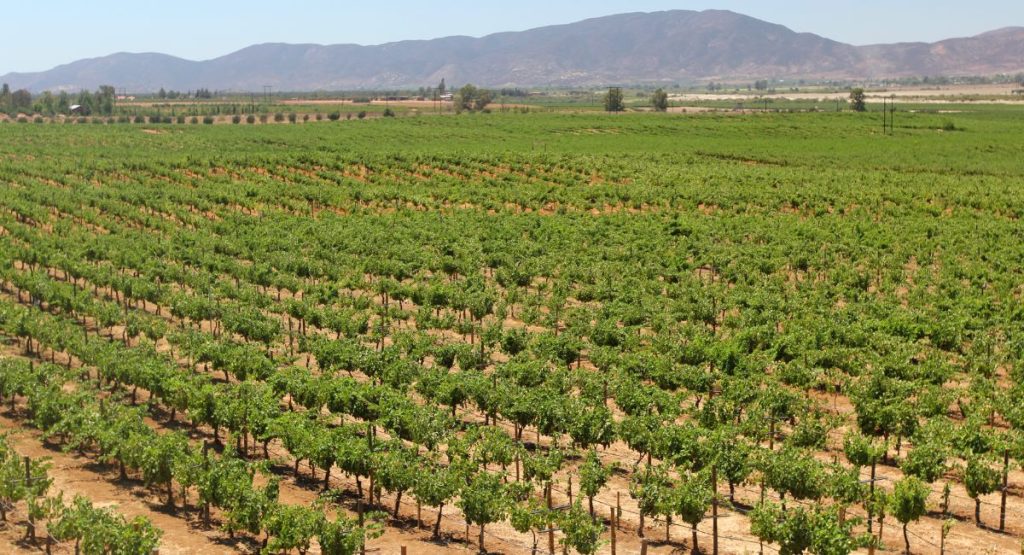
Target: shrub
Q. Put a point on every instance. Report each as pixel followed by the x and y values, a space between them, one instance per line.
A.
pixel 348 115
pixel 389 113
pixel 236 119
pixel 38 119
pixel 83 119
pixel 263 118
pixel 123 119
pixel 22 119
pixel 319 116
pixel 292 117
pixel 334 116
pixel 362 115
pixel 278 117
pixel 305 117
pixel 194 120
pixel 250 119
pixel 181 120
pixel 208 120
pixel 155 119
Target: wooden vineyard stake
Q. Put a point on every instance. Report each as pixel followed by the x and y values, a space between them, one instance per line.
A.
pixel 611 526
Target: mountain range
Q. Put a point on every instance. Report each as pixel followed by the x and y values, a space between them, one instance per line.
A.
pixel 637 48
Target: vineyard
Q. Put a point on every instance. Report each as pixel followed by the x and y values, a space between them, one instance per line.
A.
pixel 515 333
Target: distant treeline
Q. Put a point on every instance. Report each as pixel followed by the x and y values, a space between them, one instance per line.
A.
pixel 84 103
pixel 200 94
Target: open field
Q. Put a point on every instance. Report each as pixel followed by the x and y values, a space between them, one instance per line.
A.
pixel 488 312
pixel 943 94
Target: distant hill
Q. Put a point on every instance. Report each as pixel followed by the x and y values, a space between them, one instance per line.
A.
pixel 669 47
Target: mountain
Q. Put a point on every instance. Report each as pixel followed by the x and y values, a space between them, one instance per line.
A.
pixel 671 47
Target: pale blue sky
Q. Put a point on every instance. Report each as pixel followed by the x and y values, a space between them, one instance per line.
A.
pixel 40 36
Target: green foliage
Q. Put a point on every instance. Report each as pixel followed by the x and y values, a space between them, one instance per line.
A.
pixel 926 461
pixel 158 458
pixel 593 476
pixel 652 489
pixel 20 483
pixel 613 100
pixel 795 473
pixel 483 499
pixel 862 451
pixel 343 536
pixel 816 530
pixel 857 100
pixel 101 531
pixel 660 281
pixel 292 527
pixel 692 498
pixel 472 99
pixel 908 502
pixel 581 532
pixel 980 478
pixel 660 100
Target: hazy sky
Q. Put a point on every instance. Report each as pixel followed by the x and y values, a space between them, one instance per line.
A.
pixel 40 36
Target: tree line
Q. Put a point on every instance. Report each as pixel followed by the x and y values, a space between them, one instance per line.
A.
pixel 204 94
pixel 101 102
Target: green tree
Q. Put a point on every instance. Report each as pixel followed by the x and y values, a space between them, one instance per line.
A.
pixel 582 531
pixel 861 451
pixel 105 98
pixel 63 102
pixel 660 100
pixel 816 529
pixel 652 490
pixel 435 487
pixel 21 101
pixel 794 472
pixel 484 500
pixel 857 100
pixel 102 531
pixel 613 100
pixel 343 536
pixel 5 98
pixel 692 498
pixel 926 461
pixel 397 470
pixel 908 503
pixel 291 527
pixel 472 99
pixel 593 477
pixel 980 478
pixel 531 516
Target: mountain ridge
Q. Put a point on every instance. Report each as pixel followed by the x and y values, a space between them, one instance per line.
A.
pixel 678 46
